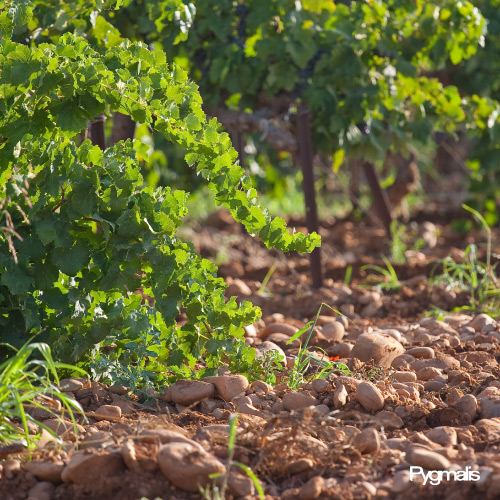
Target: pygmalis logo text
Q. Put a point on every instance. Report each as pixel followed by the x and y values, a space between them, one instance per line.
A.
pixel 435 477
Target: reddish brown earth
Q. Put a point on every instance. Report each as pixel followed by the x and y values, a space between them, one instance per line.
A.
pixel 422 392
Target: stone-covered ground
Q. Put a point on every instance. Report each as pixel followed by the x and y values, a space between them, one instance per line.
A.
pixel 421 391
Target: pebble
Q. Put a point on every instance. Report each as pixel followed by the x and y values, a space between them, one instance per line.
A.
pixel 119 390
pixel 42 491
pixel 45 470
pixel 83 466
pixel 237 288
pixel 298 400
pixel 395 443
pixel 166 394
pixel 380 349
pixel 239 486
pixel 480 321
pixel 188 467
pixel 401 481
pixel 288 330
pixel 283 341
pixel 427 459
pixel 433 386
pixel 404 376
pixel 275 407
pixel 320 385
pixel 444 435
pixel 98 439
pixel 288 494
pixel 126 405
pixel 467 405
pixel 388 420
pixel 64 428
pixel 428 373
pixel 165 436
pixel 488 425
pixel 339 397
pixel 367 441
pixel 10 467
pixel 299 465
pixel 443 363
pixel 368 488
pixel 108 412
pixel 39 413
pixel 261 386
pixel 71 384
pixel 421 352
pixel 420 369
pixel 312 489
pixel 340 350
pixel 343 321
pixel 369 396
pixel 429 233
pixel 493 491
pixel 456 319
pixel 372 309
pixel 333 331
pixel 482 358
pixel 229 386
pixel 322 409
pixel 369 296
pixel 250 330
pixel 395 334
pixel 248 409
pixel 139 456
pixel 189 392
pixel 400 364
pixel 129 455
pixel 490 408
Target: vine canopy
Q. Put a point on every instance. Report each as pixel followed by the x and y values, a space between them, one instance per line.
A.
pixel 82 240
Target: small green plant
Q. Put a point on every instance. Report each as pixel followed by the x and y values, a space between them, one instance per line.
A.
pixel 471 275
pixel 214 492
pixel 388 280
pixel 402 239
pixel 436 312
pixel 134 363
pixel 297 376
pixel 272 363
pixel 375 374
pixel 265 281
pixel 348 275
pixel 27 382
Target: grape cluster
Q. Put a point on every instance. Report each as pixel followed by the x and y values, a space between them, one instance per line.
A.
pixel 306 73
pixel 241 12
pixel 364 128
pixel 200 62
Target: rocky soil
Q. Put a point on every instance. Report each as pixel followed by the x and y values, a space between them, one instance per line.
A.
pixel 420 392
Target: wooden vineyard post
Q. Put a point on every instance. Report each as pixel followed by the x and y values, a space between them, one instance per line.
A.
pixel 380 198
pixel 306 162
pixel 96 131
pixel 354 182
pixel 123 128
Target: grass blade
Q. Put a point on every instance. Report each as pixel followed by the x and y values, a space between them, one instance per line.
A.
pixel 251 474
